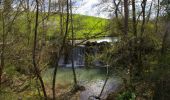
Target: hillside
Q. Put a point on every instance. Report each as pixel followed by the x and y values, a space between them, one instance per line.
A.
pixel 84 26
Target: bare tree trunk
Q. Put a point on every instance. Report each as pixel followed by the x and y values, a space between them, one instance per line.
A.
pixel 121 3
pixel 149 13
pixel 165 37
pixel 37 71
pixel 117 7
pixel 134 18
pixel 49 8
pixel 61 16
pixel 126 11
pixel 163 49
pixel 72 59
pixel 3 48
pixel 157 16
pixel 140 62
pixel 43 24
pixel 135 35
pixel 143 5
pixel 60 52
pixel 5 29
pixel 28 21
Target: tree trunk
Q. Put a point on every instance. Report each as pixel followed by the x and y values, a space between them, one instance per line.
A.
pixel 60 51
pixel 28 22
pixel 134 18
pixel 37 71
pixel 157 16
pixel 49 8
pixel 143 15
pixel 140 61
pixel 44 30
pixel 149 13
pixel 126 12
pixel 72 57
pixel 61 16
pixel 5 29
pixel 3 49
pixel 116 8
pixel 134 55
pixel 165 37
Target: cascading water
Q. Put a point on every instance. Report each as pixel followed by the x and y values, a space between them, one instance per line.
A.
pixel 92 47
pixel 79 55
pixel 78 58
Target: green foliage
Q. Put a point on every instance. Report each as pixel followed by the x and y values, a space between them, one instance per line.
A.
pixel 87 26
pixel 84 26
pixel 121 54
pixel 11 71
pixel 116 27
pixel 127 95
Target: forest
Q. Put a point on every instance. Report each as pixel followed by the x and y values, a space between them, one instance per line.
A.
pixel 71 50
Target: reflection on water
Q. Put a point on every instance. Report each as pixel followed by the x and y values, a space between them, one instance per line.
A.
pixel 91 79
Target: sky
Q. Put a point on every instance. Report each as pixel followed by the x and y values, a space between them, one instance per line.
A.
pixel 88 7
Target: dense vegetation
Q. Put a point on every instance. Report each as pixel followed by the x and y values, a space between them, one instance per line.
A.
pixel 36 34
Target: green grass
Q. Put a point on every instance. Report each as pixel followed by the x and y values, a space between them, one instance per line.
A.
pixel 84 26
pixel 89 26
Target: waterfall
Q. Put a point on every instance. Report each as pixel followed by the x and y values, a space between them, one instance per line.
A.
pixel 78 57
pixel 92 47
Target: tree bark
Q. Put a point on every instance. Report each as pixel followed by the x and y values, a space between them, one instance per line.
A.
pixel 126 13
pixel 157 16
pixel 44 30
pixel 5 29
pixel 61 16
pixel 3 49
pixel 37 71
pixel 28 22
pixel 143 5
pixel 49 8
pixel 134 18
pixel 165 37
pixel 60 51
pixel 135 42
pixel 72 59
pixel 116 8
pixel 149 13
pixel 140 62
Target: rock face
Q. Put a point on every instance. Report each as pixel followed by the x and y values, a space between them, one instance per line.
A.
pixel 94 89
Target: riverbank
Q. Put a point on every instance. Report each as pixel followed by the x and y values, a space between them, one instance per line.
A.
pixel 91 79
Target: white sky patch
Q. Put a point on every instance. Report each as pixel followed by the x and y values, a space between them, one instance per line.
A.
pixel 87 7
